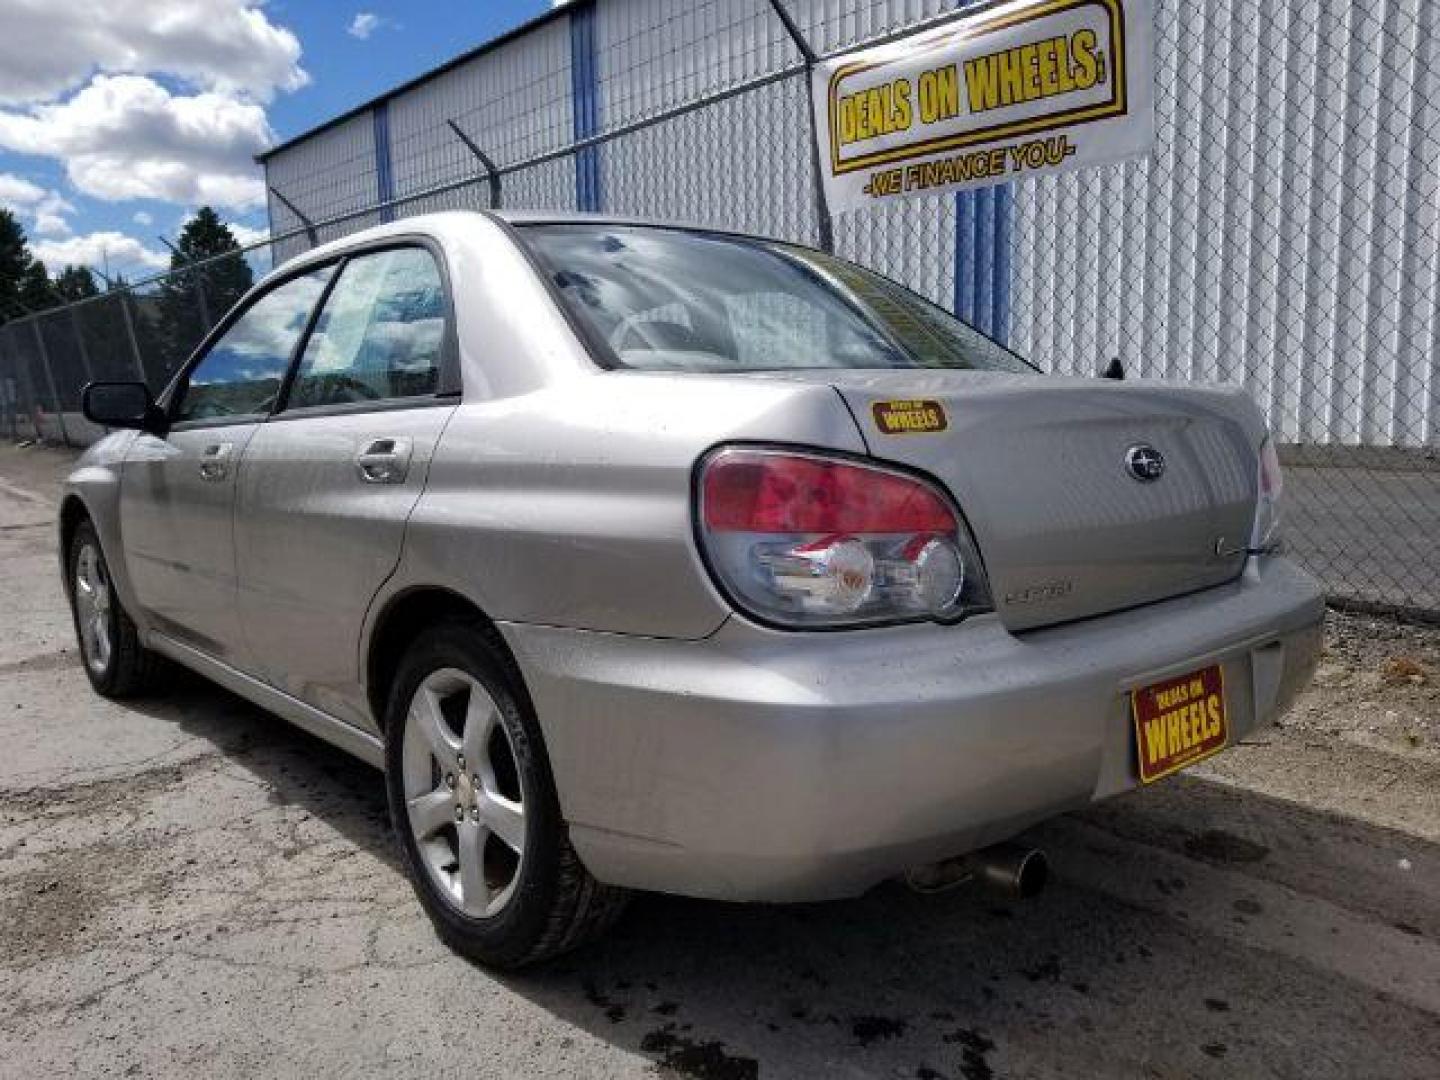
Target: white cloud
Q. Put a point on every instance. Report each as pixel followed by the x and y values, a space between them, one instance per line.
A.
pixel 128 137
pixel 50 215
pixel 364 24
pixel 246 235
pixel 228 46
pixel 98 248
pixel 154 99
pixel 17 191
pixel 45 207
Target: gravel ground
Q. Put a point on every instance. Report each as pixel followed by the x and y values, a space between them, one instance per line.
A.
pixel 187 885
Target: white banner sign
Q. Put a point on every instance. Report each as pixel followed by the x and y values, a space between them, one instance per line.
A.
pixel 1015 89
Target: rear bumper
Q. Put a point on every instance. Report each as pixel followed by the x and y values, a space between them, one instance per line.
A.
pixel 761 765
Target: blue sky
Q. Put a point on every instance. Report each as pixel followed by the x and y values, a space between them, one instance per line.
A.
pixel 118 118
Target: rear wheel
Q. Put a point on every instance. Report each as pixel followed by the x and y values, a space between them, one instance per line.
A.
pixel 474 805
pixel 117 665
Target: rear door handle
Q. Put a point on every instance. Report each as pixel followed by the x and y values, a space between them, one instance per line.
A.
pixel 384 461
pixel 215 461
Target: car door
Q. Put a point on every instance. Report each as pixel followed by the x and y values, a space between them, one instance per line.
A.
pixel 328 483
pixel 177 494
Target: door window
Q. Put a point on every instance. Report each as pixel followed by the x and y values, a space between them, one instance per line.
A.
pixel 242 372
pixel 380 334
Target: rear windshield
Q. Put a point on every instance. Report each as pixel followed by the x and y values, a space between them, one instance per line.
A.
pixel 663 299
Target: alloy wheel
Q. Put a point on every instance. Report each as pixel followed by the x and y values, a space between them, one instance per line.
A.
pixel 464 799
pixel 92 608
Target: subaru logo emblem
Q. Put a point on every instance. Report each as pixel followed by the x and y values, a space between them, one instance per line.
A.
pixel 1144 463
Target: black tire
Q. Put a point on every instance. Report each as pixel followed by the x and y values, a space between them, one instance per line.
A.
pixel 555 905
pixel 130 669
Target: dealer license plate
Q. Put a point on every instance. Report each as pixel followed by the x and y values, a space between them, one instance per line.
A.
pixel 1179 722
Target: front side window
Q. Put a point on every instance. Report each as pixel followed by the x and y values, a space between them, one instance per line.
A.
pixel 242 372
pixel 380 335
pixel 678 300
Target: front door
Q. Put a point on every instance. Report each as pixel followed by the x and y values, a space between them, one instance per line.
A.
pixel 328 484
pixel 177 495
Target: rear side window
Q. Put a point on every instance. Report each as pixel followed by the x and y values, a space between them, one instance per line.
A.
pixel 241 374
pixel 380 334
pixel 681 300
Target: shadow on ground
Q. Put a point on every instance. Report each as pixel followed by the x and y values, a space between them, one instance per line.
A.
pixel 1193 930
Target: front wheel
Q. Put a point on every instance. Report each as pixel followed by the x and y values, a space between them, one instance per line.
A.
pixel 474 805
pixel 117 665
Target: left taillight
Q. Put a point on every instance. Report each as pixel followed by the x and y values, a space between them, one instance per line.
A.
pixel 1269 500
pixel 803 540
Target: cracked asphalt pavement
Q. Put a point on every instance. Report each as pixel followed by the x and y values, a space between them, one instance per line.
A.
pixel 188 886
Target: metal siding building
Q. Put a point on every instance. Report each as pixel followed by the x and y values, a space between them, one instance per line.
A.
pixel 335 168
pixel 1283 235
pixel 480 97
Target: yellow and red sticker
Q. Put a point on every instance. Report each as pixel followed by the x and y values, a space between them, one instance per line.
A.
pixel 920 417
pixel 1179 722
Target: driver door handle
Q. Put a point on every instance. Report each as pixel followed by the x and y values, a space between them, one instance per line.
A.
pixel 215 461
pixel 384 461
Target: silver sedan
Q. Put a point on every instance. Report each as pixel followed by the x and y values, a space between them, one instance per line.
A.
pixel 643 557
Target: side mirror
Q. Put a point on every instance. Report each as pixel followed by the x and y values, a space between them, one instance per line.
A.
pixel 122 405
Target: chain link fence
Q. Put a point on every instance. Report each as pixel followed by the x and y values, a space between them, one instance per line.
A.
pixel 1284 236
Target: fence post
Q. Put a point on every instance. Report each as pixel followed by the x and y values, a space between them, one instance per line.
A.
pixel 50 381
pixel 811 57
pixel 198 279
pixel 80 343
pixel 492 173
pixel 310 232
pixel 22 383
pixel 10 383
pixel 130 333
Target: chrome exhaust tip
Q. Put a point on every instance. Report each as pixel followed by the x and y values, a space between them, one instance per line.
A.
pixel 1010 870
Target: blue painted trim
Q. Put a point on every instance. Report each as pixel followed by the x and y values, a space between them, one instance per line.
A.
pixel 384 170
pixel 985 259
pixel 965 256
pixel 585 104
pixel 1004 231
pixel 983 231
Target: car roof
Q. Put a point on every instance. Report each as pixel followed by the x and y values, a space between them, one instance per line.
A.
pixel 445 224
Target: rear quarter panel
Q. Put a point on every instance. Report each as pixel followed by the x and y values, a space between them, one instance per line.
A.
pixel 571 506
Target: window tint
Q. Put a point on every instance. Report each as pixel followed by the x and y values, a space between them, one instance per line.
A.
pixel 930 334
pixel 677 300
pixel 241 373
pixel 380 334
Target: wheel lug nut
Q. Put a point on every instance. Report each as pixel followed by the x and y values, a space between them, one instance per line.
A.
pixel 475 780
pixel 450 780
pixel 459 813
pixel 475 813
pixel 460 761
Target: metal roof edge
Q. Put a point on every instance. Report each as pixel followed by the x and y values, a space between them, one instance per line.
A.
pixel 562 11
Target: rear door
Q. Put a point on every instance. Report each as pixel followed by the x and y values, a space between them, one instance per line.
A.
pixel 177 495
pixel 328 483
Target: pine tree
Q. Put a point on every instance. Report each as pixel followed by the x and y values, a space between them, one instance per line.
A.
pixel 35 288
pixel 76 283
pixel 191 302
pixel 14 259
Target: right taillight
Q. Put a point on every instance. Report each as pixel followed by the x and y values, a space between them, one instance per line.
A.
pixel 1269 501
pixel 803 540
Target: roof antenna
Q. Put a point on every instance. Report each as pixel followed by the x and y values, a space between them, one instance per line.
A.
pixel 1114 370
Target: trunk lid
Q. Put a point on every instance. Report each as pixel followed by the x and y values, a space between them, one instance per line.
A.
pixel 1038 466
